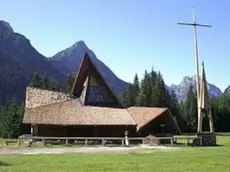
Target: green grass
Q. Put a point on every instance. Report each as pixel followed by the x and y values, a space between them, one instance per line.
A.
pixel 189 159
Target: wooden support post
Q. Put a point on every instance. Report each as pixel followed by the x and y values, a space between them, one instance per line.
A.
pixel 150 140
pixel 122 142
pixel 171 141
pixel 86 142
pixel 43 142
pixel 186 141
pixel 66 142
pixel 18 142
pixel 200 141
pixel 102 142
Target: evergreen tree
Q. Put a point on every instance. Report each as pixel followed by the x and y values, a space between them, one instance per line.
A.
pixel 136 88
pixel 174 104
pixel 44 82
pixel 162 91
pixel 69 83
pixel 2 111
pixel 10 119
pixel 36 80
pixel 53 85
pixel 124 99
pixel 145 98
pixel 190 110
pixel 156 94
pixel 176 110
pixel 170 98
pixel 128 98
pixel 159 92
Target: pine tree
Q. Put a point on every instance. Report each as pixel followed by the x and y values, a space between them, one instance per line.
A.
pixel 174 104
pixel 12 122
pixel 18 128
pixel 2 109
pixel 169 98
pixel 145 98
pixel 9 120
pixel 159 92
pixel 36 80
pixel 131 95
pixel 190 110
pixel 44 82
pixel 156 95
pixel 53 85
pixel 162 90
pixel 136 88
pixel 176 110
pixel 123 99
pixel 69 83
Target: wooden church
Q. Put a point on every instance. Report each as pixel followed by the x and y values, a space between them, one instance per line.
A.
pixel 92 110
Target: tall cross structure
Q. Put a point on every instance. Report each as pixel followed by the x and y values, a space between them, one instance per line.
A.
pixel 194 24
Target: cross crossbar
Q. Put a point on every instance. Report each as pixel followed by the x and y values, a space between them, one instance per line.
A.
pixel 194 24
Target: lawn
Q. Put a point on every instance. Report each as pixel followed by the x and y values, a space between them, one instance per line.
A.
pixel 185 159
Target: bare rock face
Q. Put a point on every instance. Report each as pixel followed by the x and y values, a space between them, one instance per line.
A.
pixel 38 97
pixel 181 90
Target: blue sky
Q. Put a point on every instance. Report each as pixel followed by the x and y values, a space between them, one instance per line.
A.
pixel 130 35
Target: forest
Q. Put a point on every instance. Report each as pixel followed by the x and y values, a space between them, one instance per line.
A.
pixel 150 91
pixel 11 113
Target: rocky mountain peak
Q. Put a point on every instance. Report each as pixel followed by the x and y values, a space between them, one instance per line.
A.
pixel 182 89
pixel 5 26
pixel 79 44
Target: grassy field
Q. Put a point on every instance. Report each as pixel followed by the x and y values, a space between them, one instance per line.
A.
pixel 196 159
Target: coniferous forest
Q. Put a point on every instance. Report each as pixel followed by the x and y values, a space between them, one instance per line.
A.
pixel 11 113
pixel 150 91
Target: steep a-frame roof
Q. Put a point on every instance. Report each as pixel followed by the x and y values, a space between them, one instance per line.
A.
pixel 87 69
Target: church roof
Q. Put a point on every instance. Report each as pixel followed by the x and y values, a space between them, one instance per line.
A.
pixel 74 113
pixel 143 115
pixel 64 111
pixel 87 69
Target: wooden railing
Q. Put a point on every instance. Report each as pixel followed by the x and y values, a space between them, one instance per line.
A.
pixel 172 140
pixel 103 140
pixel 151 139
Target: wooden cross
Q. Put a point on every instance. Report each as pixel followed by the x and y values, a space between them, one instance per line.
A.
pixel 194 24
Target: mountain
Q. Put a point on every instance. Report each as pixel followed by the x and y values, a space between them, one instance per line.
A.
pixel 227 91
pixel 68 60
pixel 19 60
pixel 182 89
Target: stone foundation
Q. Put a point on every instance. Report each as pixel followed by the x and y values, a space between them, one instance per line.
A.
pixel 207 139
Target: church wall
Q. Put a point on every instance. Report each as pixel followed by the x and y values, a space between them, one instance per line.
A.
pixel 85 131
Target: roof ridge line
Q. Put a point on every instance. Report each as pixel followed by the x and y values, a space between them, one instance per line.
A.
pixel 126 109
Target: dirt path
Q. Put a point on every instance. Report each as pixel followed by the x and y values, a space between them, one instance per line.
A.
pixel 32 151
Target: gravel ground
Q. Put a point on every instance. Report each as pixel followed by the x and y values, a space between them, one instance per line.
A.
pixel 10 151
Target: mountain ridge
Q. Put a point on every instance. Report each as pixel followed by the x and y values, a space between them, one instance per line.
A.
pixel 19 59
pixel 182 88
pixel 68 60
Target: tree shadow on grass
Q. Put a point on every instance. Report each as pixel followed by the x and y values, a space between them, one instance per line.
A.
pixel 4 164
